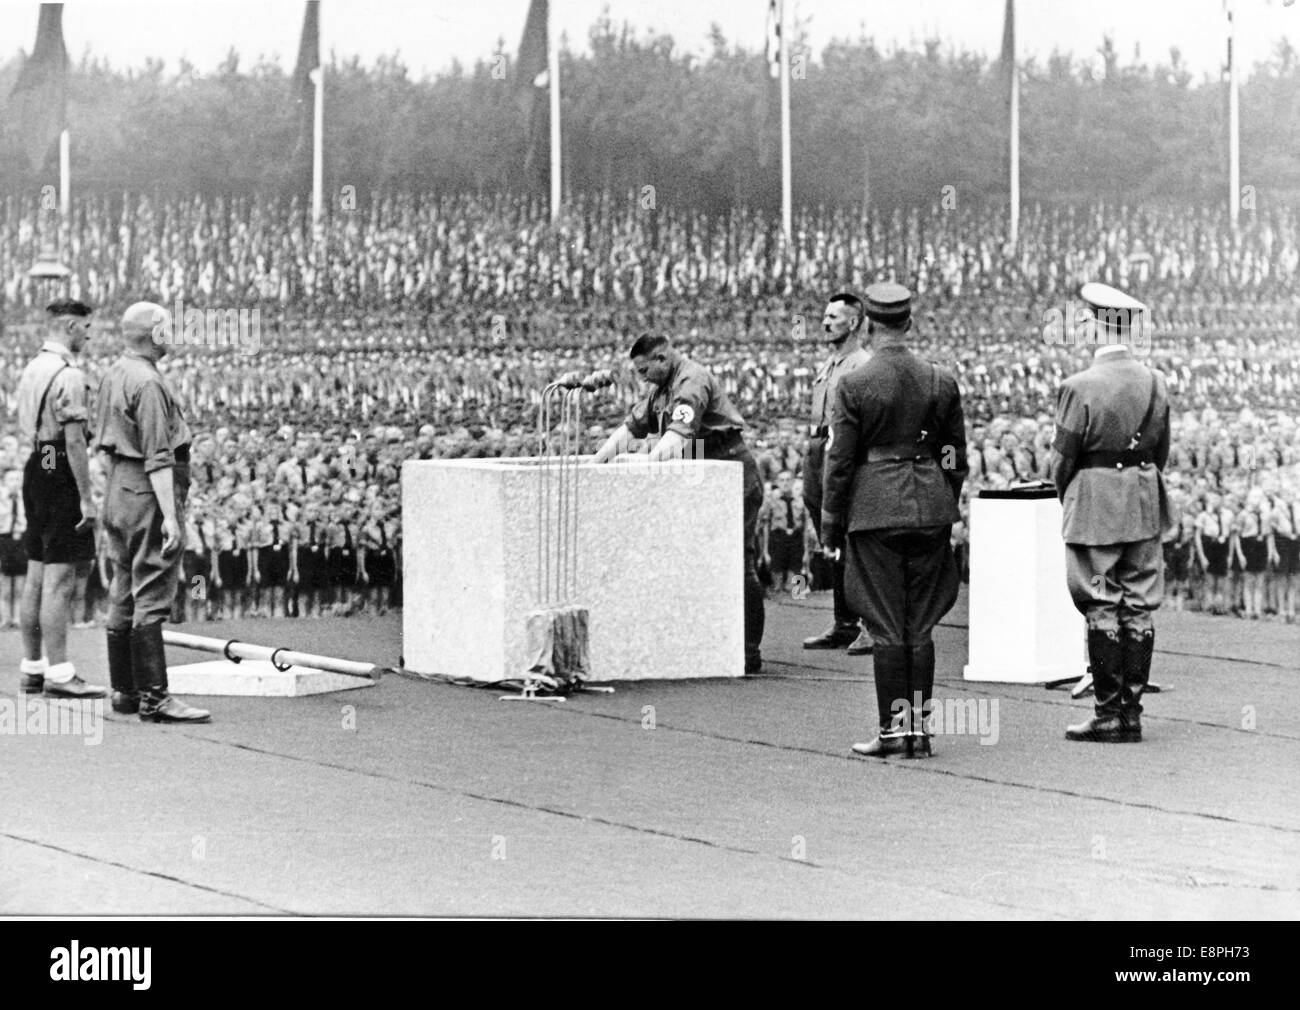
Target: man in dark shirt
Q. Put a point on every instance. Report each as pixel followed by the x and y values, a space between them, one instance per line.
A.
pixel 146 440
pixel 894 470
pixel 693 417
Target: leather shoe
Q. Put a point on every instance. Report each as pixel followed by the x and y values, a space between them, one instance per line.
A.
pixel 31 683
pixel 74 688
pixel 834 638
pixel 883 745
pixel 1104 729
pixel 862 645
pixel 126 702
pixel 165 708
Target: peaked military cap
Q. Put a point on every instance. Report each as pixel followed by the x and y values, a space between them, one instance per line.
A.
pixel 1114 311
pixel 887 302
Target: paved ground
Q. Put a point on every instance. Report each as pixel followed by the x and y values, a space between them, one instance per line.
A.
pixel 418 798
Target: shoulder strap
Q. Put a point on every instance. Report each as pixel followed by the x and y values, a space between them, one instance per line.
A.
pixel 1144 427
pixel 40 407
pixel 930 431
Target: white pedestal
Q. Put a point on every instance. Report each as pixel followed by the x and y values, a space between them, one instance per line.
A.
pixel 659 567
pixel 1024 628
pixel 257 678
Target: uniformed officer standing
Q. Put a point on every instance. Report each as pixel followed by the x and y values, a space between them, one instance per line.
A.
pixel 842 325
pixel 52 413
pixel 894 470
pixel 693 417
pixel 1111 445
pixel 147 441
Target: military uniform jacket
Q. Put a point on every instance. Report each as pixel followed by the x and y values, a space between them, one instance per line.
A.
pixel 883 405
pixel 1100 410
pixel 691 402
pixel 839 364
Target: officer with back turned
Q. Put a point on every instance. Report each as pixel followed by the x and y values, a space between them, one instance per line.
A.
pixel 146 442
pixel 1111 446
pixel 894 471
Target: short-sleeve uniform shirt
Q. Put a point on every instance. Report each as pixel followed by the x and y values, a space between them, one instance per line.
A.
pixel 138 415
pixel 67 400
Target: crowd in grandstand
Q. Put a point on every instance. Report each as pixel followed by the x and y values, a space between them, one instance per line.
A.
pixel 426 329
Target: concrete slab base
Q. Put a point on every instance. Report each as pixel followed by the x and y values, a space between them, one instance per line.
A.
pixel 256 677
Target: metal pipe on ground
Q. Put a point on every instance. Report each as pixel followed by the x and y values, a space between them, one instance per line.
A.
pixel 278 656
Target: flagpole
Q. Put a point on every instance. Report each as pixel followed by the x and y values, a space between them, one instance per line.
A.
pixel 317 130
pixel 1014 229
pixel 786 195
pixel 1234 124
pixel 553 88
pixel 65 176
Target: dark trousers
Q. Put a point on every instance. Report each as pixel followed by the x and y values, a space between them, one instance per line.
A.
pixel 144 577
pixel 901 582
pixel 752 484
pixel 1116 586
pixel 812 498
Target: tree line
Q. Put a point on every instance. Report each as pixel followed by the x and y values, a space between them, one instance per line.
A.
pixel 890 127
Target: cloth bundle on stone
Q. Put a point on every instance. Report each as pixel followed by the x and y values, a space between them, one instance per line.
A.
pixel 557 643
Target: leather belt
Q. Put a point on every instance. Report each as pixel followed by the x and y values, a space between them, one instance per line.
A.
pixel 1115 460
pixel 902 451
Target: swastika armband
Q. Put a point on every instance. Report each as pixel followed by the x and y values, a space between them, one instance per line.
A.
pixel 1066 442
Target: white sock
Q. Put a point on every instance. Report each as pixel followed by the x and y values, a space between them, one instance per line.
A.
pixel 60 673
pixel 31 666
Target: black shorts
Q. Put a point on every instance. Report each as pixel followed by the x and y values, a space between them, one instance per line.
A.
pixel 53 508
pixel 311 567
pixel 1178 559
pixel 232 566
pixel 273 563
pixel 13 556
pixel 381 567
pixel 342 566
pixel 1256 551
pixel 786 550
pixel 1288 554
pixel 1216 557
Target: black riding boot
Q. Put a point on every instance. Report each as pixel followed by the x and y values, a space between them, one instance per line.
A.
pixel 892 675
pixel 921 685
pixel 1136 648
pixel 150 657
pixel 120 676
pixel 1105 659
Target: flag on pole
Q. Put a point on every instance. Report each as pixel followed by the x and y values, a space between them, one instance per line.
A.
pixel 773 40
pixel 532 79
pixel 1008 58
pixel 38 103
pixel 1011 78
pixel 304 87
pixel 767 95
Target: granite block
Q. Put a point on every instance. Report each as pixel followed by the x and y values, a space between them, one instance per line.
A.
pixel 658 566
